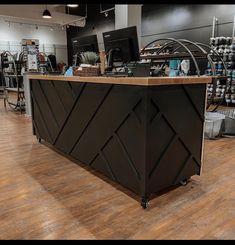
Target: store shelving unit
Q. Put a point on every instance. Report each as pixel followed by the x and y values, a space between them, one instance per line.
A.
pixel 165 50
pixel 224 88
pixel 12 81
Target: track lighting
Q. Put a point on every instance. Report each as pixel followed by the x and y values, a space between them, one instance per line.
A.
pixel 46 14
pixel 36 26
pixel 106 11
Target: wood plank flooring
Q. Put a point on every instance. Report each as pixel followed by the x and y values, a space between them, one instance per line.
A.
pixel 43 195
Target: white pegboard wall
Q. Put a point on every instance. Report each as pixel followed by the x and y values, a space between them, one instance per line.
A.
pixel 60 51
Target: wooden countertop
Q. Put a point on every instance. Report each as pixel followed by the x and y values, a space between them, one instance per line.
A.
pixel 144 81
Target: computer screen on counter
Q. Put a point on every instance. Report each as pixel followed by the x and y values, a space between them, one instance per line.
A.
pixel 84 44
pixel 122 45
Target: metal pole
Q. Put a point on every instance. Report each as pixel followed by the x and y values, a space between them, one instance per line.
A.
pixel 213 26
pixel 233 29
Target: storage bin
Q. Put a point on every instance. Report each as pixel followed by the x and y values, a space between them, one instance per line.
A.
pixel 229 122
pixel 87 71
pixel 213 125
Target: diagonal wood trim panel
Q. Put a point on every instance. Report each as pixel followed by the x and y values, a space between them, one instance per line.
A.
pixel 146 138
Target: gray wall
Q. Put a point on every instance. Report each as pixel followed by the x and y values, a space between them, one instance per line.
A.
pixel 193 22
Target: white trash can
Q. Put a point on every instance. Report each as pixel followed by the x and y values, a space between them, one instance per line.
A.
pixel 229 122
pixel 213 124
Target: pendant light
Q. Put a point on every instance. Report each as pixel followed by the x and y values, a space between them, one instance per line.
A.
pixel 46 14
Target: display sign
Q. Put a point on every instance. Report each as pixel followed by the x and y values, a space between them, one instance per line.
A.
pixel 30 48
pixel 32 62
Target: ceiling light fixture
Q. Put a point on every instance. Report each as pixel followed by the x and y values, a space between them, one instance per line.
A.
pixel 36 26
pixel 106 11
pixel 72 5
pixel 46 14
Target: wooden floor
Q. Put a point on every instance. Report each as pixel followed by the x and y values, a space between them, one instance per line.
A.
pixel 46 196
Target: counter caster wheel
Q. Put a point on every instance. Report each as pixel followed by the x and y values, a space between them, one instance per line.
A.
pixel 184 182
pixel 144 203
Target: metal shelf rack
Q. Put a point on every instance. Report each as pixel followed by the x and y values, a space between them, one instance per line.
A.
pixel 171 48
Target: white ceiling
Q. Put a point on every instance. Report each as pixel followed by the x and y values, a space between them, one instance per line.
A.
pixel 32 13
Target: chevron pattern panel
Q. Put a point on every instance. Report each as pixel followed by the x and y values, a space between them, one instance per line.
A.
pixel 145 138
pixel 175 134
pixel 92 123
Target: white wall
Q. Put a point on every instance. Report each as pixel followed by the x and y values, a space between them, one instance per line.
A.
pixel 50 41
pixel 121 16
pixel 129 15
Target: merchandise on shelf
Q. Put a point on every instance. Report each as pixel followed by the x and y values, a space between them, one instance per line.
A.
pixel 225 46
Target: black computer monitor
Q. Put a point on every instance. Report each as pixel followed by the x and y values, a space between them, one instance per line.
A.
pixel 86 43
pixel 121 45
